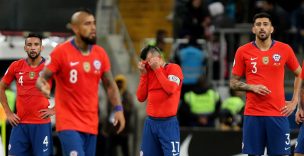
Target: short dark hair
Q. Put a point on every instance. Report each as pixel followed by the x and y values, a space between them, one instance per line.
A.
pixel 86 10
pixel 144 52
pixel 262 15
pixel 36 35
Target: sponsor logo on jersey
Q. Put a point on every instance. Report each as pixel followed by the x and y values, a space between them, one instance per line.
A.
pixel 265 59
pixel 86 66
pixel 32 75
pixel 73 63
pixel 97 64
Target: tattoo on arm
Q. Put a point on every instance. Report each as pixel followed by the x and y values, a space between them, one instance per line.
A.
pixel 111 88
pixel 47 74
pixel 237 84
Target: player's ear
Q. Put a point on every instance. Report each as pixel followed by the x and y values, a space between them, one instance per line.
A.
pixel 253 30
pixel 74 28
pixel 42 47
pixel 271 29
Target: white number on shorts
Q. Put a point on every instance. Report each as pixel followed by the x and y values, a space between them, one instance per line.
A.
pixel 73 76
pixel 173 146
pixel 20 80
pixel 45 141
pixel 288 139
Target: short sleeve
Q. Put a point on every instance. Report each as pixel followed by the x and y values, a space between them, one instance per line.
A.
pixel 9 74
pixel 292 61
pixel 53 60
pixel 238 64
pixel 106 65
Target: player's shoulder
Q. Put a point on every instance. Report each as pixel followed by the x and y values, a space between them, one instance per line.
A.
pixel 64 45
pixel 172 66
pixel 98 49
pixel 281 44
pixel 18 62
pixel 246 46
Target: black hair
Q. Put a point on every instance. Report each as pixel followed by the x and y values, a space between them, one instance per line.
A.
pixel 144 52
pixel 262 15
pixel 86 10
pixel 36 35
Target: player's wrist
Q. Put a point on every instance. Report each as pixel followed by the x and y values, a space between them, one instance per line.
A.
pixel 118 108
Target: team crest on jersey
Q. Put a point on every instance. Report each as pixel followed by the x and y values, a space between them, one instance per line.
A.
pixel 86 66
pixel 97 64
pixel 276 57
pixel 32 75
pixel 265 59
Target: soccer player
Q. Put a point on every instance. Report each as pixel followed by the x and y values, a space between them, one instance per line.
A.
pixel 32 131
pixel 262 62
pixel 160 84
pixel 78 65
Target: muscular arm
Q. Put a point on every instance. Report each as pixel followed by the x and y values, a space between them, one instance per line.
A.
pixel 291 105
pixel 297 85
pixel 3 98
pixel 111 88
pixel 11 117
pixel 114 97
pixel 237 84
pixel 42 82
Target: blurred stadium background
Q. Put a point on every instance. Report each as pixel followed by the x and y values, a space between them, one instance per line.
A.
pixel 125 26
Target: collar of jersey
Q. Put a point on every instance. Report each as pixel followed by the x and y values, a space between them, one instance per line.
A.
pixel 272 43
pixel 74 45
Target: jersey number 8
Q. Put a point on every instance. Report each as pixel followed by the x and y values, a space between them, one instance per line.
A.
pixel 73 76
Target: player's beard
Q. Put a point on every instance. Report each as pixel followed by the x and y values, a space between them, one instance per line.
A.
pixel 263 37
pixel 33 55
pixel 88 40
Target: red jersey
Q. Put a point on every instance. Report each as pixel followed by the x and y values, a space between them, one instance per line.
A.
pixel 29 99
pixel 77 79
pixel 266 68
pixel 162 87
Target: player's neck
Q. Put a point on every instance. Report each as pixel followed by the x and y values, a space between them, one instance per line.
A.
pixel 82 46
pixel 263 45
pixel 34 62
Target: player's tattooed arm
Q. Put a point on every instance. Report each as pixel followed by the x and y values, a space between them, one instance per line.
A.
pixel 114 96
pixel 111 88
pixel 42 82
pixel 237 84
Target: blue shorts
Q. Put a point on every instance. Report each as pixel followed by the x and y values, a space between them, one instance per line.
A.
pixel 300 141
pixel 77 143
pixel 161 137
pixel 263 131
pixel 31 140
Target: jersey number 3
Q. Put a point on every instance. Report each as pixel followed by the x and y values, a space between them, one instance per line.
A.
pixel 254 68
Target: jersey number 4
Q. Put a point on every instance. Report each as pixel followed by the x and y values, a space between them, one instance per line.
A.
pixel 20 80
